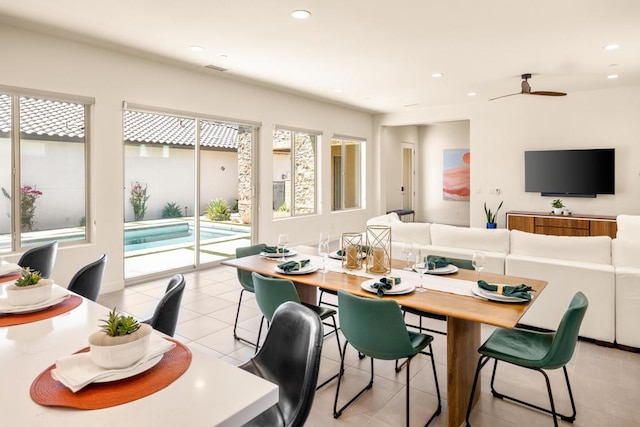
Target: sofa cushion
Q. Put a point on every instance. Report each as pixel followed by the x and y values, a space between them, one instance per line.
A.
pixel 584 248
pixel 390 218
pixel 416 232
pixel 626 252
pixel 495 240
pixel 628 227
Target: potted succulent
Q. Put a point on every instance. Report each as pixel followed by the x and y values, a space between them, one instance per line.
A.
pixel 120 342
pixel 29 289
pixel 491 216
pixel 557 206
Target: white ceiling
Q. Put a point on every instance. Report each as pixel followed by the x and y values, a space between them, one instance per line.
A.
pixel 381 54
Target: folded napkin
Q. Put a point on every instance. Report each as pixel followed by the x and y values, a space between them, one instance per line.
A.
pixel 274 250
pixel 77 371
pixel 434 262
pixel 385 284
pixel 520 291
pixel 7 268
pixel 290 266
pixel 361 249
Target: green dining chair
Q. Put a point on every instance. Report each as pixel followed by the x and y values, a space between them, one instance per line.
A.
pixel 375 328
pixel 538 351
pixel 271 293
pixel 244 277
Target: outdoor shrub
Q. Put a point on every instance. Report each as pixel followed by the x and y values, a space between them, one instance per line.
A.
pixel 218 210
pixel 171 210
pixel 28 197
pixel 138 200
pixel 284 207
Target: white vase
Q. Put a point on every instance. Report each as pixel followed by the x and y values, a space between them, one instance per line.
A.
pixel 119 352
pixel 29 295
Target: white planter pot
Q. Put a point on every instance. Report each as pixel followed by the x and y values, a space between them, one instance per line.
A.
pixel 29 295
pixel 557 211
pixel 119 352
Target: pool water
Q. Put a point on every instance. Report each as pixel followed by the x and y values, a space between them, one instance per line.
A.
pixel 168 235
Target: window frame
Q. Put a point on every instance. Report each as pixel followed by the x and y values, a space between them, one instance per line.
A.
pixel 15 141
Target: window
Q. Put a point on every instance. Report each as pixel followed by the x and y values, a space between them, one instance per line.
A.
pixel 294 173
pixel 346 173
pixel 43 167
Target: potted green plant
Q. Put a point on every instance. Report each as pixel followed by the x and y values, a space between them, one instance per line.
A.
pixel 120 342
pixel 557 206
pixel 29 289
pixel 491 216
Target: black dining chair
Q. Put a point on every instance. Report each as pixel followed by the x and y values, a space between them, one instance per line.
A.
pixel 87 281
pixel 165 316
pixel 41 258
pixel 246 281
pixel 290 358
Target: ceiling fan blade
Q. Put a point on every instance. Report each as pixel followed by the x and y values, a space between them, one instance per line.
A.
pixel 547 93
pixel 504 96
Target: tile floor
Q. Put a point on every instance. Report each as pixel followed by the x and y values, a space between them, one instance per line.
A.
pixel 606 381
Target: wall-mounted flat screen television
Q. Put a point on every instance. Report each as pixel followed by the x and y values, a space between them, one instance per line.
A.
pixel 570 173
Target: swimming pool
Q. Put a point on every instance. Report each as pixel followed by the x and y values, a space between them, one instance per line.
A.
pixel 171 234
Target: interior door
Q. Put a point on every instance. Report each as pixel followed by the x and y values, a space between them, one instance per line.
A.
pixel 408 173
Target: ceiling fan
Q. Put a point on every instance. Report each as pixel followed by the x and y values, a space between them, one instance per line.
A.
pixel 526 90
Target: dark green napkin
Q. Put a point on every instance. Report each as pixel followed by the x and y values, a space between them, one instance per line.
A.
pixel 385 284
pixel 290 266
pixel 434 262
pixel 362 249
pixel 520 291
pixel 273 250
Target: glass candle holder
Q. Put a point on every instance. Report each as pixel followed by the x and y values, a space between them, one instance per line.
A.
pixel 351 246
pixel 379 244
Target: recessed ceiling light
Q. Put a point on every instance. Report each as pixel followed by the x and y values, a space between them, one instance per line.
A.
pixel 337 90
pixel 612 76
pixel 196 48
pixel 436 75
pixel 611 47
pixel 471 94
pixel 415 104
pixel 300 14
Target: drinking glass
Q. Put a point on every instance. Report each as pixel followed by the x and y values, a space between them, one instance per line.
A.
pixel 283 241
pixel 422 268
pixel 479 261
pixel 323 249
pixel 407 250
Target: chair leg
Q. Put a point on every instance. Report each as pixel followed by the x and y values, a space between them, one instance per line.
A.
pixel 259 334
pixel 235 325
pixel 435 378
pixel 335 329
pixel 570 418
pixel 481 362
pixel 338 412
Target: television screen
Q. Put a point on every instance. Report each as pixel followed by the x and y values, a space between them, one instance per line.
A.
pixel 578 173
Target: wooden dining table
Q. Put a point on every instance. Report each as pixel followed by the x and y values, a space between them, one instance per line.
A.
pixel 464 314
pixel 210 391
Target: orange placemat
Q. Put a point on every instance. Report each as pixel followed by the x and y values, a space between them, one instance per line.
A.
pixel 49 392
pixel 18 319
pixel 9 277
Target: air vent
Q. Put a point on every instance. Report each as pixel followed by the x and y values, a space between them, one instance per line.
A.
pixel 216 68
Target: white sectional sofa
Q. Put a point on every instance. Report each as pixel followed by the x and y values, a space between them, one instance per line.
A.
pixel 606 270
pixel 626 259
pixel 569 265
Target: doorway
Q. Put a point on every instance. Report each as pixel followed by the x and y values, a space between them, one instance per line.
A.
pixel 408 174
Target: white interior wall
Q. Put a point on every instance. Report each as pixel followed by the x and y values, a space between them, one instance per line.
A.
pixel 502 130
pixel 45 62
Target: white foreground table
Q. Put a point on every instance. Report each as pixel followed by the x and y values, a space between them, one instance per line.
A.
pixel 209 393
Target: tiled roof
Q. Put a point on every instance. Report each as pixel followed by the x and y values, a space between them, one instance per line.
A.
pixel 155 128
pixel 66 120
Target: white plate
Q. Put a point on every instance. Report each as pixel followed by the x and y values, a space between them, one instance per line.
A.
pixel 135 371
pixel 402 288
pixel 450 269
pixel 304 270
pixel 286 254
pixel 57 296
pixel 335 255
pixel 477 291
